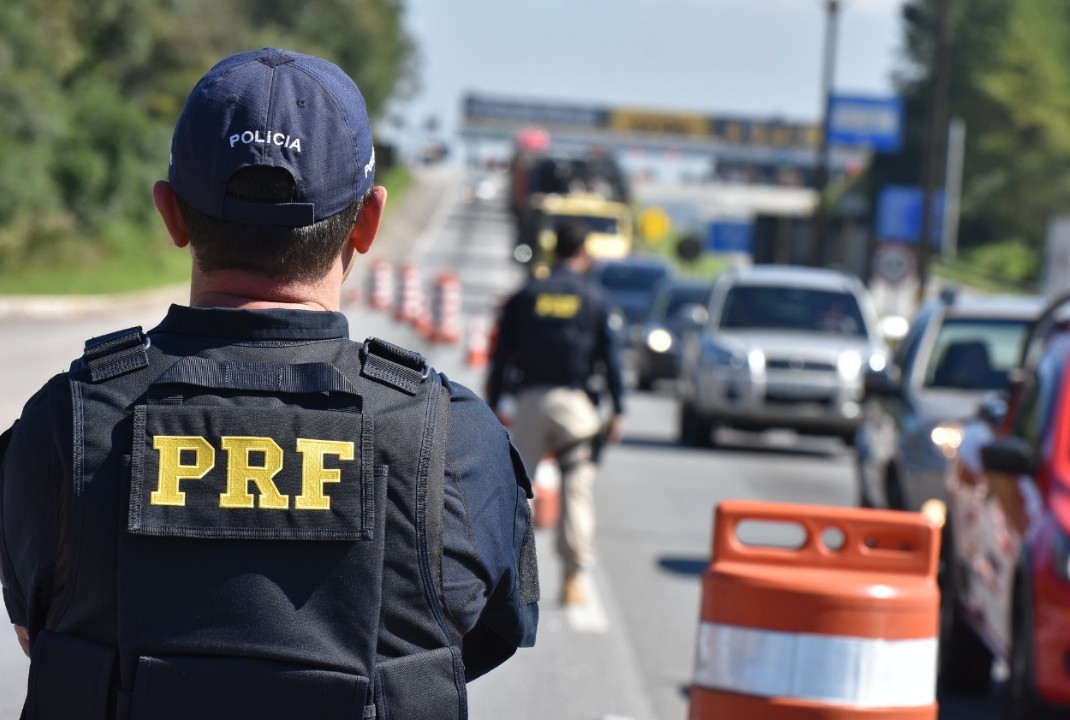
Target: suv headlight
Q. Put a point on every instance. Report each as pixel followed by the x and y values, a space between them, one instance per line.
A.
pixel 756 361
pixel 659 340
pixel 849 365
pixel 947 437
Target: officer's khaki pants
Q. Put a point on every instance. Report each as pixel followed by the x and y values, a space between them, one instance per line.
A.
pixel 563 421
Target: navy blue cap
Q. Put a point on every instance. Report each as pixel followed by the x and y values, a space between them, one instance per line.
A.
pixel 281 109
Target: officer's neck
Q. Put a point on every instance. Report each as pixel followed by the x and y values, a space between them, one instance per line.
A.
pixel 251 291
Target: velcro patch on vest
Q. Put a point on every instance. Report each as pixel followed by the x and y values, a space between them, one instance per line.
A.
pixel 251 473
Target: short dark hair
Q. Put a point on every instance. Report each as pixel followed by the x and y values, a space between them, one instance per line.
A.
pixel 278 251
pixel 570 238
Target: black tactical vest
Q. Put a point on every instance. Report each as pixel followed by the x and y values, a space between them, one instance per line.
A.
pixel 256 534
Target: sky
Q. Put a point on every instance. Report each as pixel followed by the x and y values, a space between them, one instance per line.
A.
pixel 746 57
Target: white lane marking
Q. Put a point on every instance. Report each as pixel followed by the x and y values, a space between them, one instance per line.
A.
pixel 588 617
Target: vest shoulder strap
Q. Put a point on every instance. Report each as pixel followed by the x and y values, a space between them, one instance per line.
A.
pixel 117 353
pixel 393 365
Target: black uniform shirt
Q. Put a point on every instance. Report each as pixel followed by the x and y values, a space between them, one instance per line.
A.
pixel 485 518
pixel 556 331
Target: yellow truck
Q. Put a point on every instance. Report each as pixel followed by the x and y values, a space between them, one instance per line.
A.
pixel 610 225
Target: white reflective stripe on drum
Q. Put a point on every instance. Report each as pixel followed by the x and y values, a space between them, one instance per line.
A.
pixel 852 671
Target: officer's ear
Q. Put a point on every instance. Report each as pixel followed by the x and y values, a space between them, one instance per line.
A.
pixel 367 223
pixel 163 196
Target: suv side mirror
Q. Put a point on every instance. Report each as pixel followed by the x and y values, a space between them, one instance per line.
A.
pixel 1010 455
pixel 882 383
pixel 694 314
pixel 993 407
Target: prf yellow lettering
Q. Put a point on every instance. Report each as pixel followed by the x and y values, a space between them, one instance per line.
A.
pixel 557 305
pixel 314 475
pixel 172 470
pixel 240 472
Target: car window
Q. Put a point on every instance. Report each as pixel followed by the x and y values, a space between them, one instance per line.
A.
pixel 769 307
pixel 975 354
pixel 1035 407
pixel 630 277
pixel 670 300
pixel 593 223
pixel 908 349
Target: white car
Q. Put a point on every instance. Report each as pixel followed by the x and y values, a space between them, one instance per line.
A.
pixel 783 347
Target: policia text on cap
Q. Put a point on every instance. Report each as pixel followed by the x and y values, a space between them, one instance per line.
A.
pixel 242 513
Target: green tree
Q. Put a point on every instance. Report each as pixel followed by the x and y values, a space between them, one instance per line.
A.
pixel 92 89
pixel 1010 83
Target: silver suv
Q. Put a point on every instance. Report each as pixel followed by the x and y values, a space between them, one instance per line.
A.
pixel 960 348
pixel 782 347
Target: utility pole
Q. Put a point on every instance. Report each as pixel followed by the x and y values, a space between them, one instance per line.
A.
pixel 819 237
pixel 934 134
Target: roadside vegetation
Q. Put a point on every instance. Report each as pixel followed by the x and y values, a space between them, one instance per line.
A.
pixel 155 262
pixel 90 96
pixel 91 92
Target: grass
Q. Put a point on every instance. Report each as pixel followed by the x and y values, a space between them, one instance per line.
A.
pixel 706 265
pixel 160 265
pixel 122 274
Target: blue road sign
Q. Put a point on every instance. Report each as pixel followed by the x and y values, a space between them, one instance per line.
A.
pixel 862 121
pixel 730 236
pixel 899 215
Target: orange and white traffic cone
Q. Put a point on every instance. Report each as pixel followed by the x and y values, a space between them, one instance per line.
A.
pixel 409 306
pixel 478 344
pixel 381 293
pixel 446 309
pixel 350 293
pixel 546 486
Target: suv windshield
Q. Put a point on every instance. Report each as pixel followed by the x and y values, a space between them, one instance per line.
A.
pixel 630 277
pixel 975 354
pixel 593 223
pixel 792 308
pixel 670 300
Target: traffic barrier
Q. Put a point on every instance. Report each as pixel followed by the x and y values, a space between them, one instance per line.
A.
pixel 350 294
pixel 410 303
pixel 446 309
pixel 477 343
pixel 842 627
pixel 546 486
pixel 381 285
pixel 422 321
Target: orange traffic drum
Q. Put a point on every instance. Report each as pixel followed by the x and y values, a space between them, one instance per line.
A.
pixel 842 624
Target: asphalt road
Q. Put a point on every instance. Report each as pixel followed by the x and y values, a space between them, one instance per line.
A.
pixel 628 654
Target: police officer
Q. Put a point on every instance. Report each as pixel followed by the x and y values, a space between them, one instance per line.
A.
pixel 242 513
pixel 554 339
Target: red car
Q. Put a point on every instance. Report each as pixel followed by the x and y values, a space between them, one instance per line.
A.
pixel 1006 548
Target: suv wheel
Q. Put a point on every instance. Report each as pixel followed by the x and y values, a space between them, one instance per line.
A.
pixel 965 662
pixel 695 430
pixel 894 497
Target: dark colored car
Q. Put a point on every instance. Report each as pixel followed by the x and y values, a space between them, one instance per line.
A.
pixel 630 284
pixel 672 314
pixel 959 347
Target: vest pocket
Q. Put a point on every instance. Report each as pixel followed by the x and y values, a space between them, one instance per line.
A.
pixel 70 678
pixel 223 688
pixel 423 686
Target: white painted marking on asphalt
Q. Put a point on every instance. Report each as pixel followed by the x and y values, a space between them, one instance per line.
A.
pixel 588 617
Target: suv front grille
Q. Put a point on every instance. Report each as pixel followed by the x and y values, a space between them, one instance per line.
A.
pixel 799 364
